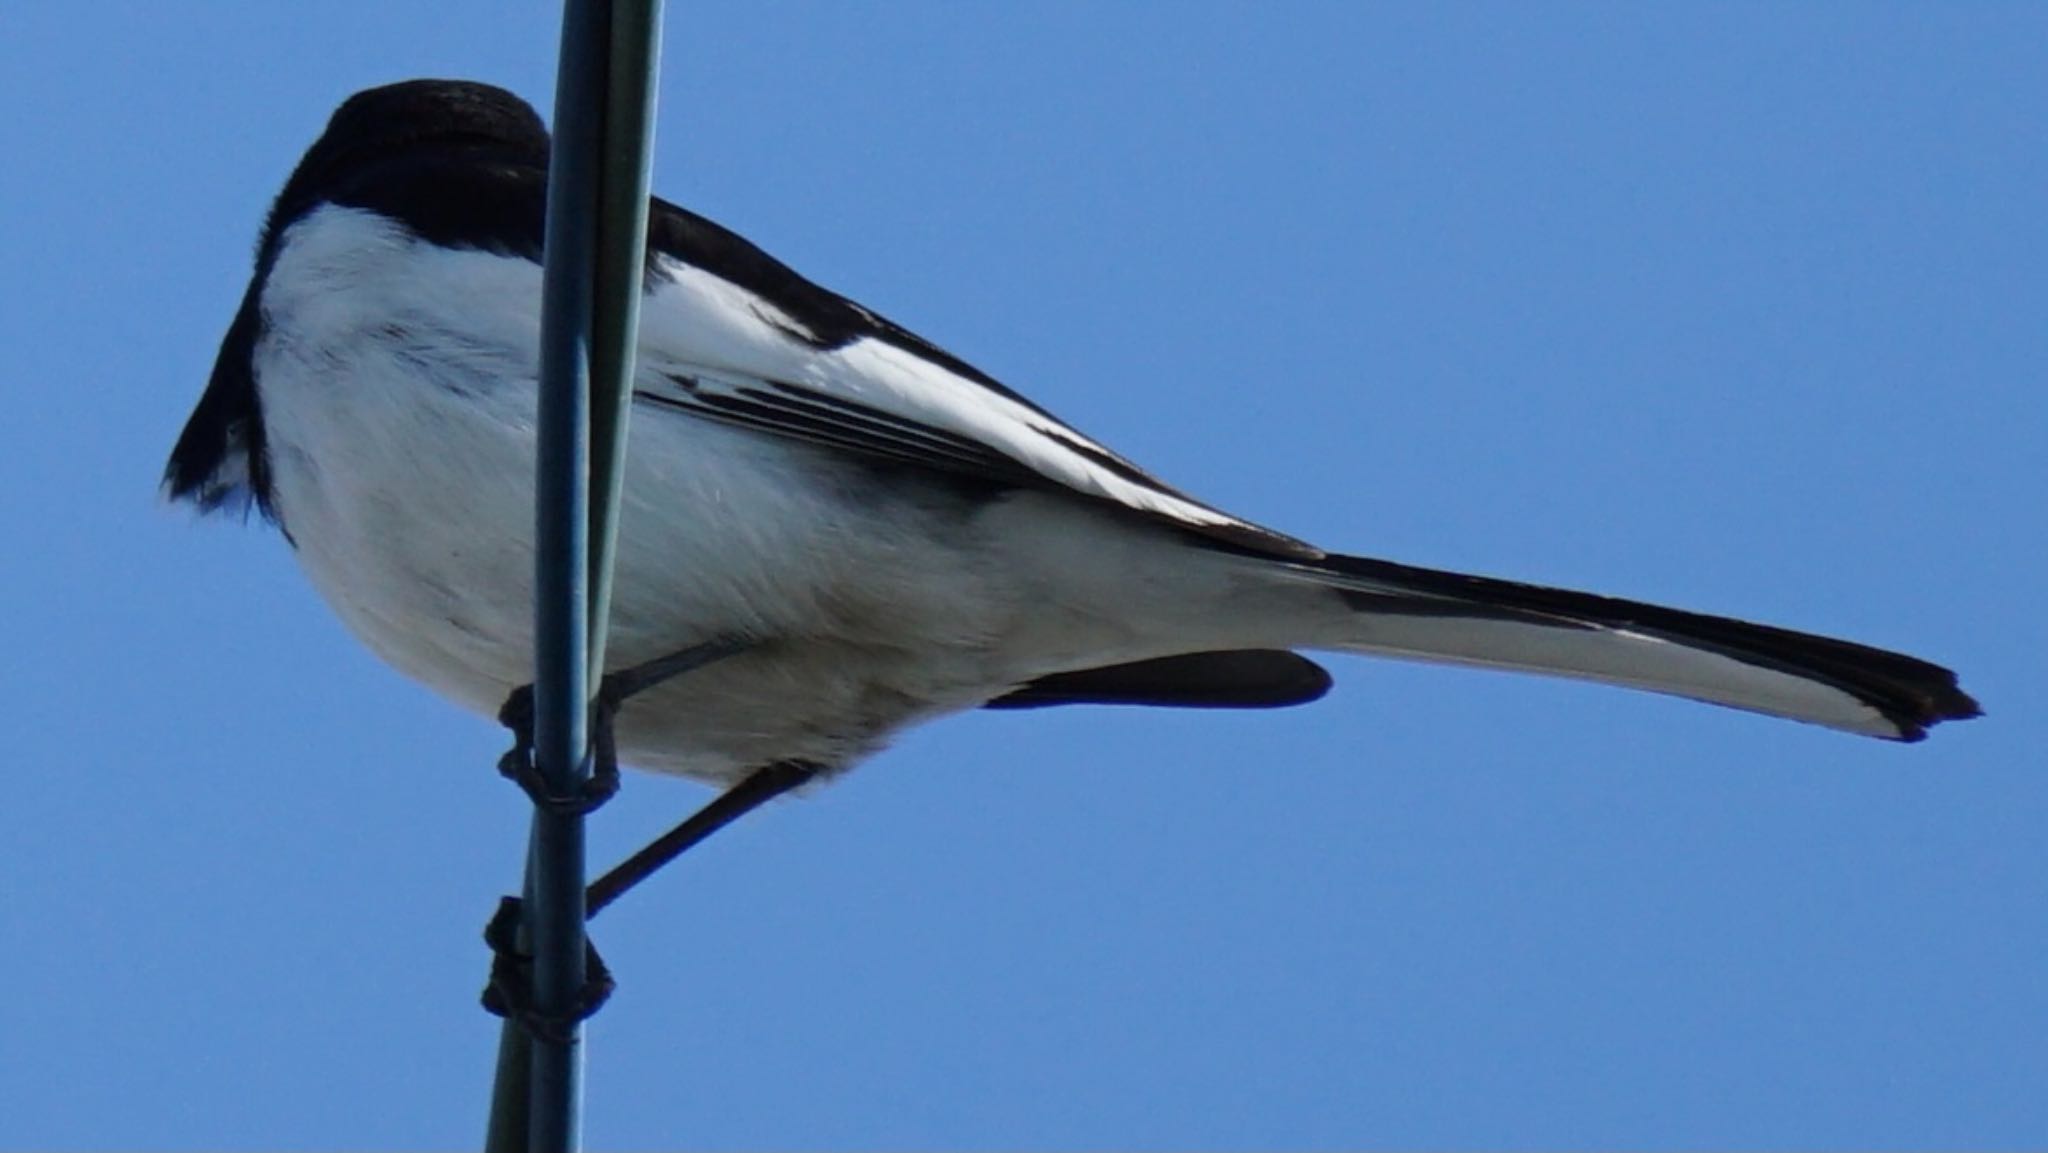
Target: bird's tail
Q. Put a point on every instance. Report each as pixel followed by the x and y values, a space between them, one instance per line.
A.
pixel 1424 614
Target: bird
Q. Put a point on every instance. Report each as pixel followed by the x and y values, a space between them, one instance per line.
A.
pixel 856 530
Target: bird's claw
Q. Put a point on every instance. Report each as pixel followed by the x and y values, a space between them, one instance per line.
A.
pixel 518 764
pixel 510 991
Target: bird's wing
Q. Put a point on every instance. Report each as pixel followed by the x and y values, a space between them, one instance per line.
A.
pixel 729 334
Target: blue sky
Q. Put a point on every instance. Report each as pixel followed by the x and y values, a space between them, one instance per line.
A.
pixel 1742 308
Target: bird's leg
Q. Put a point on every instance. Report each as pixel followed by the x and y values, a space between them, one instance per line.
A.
pixel 753 791
pixel 613 691
pixel 510 992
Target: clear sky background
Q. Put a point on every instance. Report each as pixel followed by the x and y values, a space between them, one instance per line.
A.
pixel 1742 308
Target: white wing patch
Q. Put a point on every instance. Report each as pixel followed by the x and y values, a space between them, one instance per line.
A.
pixel 710 347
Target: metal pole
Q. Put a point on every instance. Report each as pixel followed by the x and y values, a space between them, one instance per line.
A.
pixel 595 241
pixel 621 254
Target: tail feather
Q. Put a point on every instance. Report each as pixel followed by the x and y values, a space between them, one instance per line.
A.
pixel 1427 614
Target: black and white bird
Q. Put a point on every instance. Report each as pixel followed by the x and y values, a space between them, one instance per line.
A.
pixel 886 533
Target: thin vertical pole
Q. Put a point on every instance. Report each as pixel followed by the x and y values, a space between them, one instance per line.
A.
pixel 595 241
pixel 621 255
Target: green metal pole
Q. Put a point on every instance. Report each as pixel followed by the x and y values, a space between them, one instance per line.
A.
pixel 595 244
pixel 621 254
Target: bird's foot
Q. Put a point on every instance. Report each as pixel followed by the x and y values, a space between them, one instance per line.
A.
pixel 510 991
pixel 519 765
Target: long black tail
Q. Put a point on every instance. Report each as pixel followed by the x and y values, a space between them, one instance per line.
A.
pixel 1427 614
